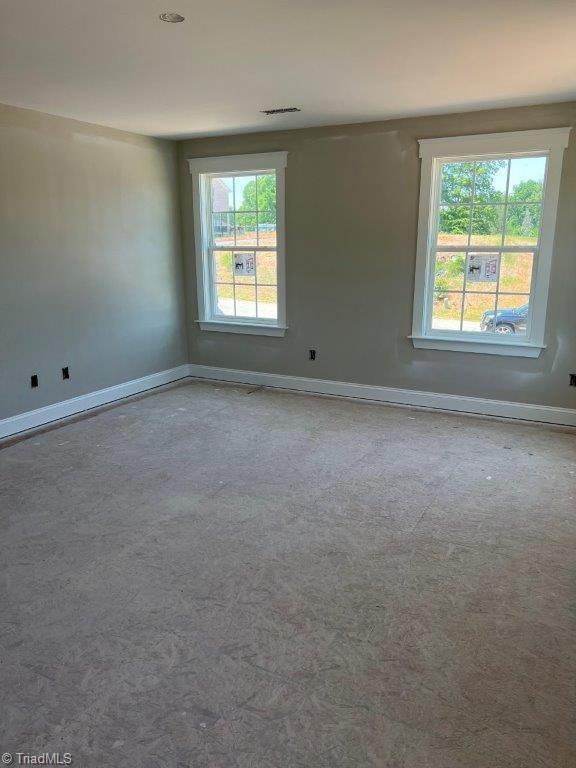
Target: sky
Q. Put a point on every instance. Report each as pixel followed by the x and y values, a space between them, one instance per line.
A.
pixel 522 169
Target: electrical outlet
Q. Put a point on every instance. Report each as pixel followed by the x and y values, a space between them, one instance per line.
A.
pixel 34 380
pixel 312 354
pixel 65 372
pixel 573 379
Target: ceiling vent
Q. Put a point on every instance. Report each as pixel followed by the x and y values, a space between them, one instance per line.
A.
pixel 280 110
pixel 171 18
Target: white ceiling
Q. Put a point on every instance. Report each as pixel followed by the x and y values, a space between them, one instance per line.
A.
pixel 113 62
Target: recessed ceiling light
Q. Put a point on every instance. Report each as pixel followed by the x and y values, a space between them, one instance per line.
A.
pixel 172 18
pixel 280 110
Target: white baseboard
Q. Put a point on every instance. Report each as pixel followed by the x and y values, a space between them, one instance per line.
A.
pixel 37 418
pixel 459 403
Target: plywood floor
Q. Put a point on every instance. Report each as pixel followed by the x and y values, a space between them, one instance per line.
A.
pixel 209 577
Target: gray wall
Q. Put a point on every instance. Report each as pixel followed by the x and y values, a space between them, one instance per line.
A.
pixel 91 272
pixel 352 206
pixel 90 258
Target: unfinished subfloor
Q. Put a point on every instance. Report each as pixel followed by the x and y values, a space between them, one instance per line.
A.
pixel 214 577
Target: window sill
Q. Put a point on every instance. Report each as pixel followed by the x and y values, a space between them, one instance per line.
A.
pixel 255 329
pixel 480 346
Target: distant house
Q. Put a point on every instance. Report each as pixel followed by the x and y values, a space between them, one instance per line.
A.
pixel 220 195
pixel 221 205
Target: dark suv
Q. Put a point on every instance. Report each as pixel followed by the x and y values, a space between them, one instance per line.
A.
pixel 507 320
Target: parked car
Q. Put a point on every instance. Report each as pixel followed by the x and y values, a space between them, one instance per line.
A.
pixel 507 320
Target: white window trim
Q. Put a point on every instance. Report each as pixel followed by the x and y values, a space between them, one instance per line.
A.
pixel 267 161
pixel 433 152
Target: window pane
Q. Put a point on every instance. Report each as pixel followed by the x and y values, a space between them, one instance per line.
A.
pixel 490 181
pixel 266 267
pixel 487 210
pixel 267 302
pixel 245 301
pixel 449 271
pixel 222 194
pixel 267 228
pixel 225 300
pixel 246 280
pixel 516 272
pixel 223 228
pixel 526 179
pixel 476 305
pixel 246 228
pixel 512 315
pixel 245 193
pixel 456 184
pixel 514 301
pixel 240 218
pixel 522 224
pixel 267 192
pixel 453 225
pixel 487 224
pixel 223 266
pixel 446 311
pixel 482 272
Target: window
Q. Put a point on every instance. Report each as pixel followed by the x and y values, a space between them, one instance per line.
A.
pixel 239 225
pixel 485 239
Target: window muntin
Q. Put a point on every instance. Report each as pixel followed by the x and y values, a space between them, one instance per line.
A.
pixel 240 242
pixel 487 229
pixel 505 217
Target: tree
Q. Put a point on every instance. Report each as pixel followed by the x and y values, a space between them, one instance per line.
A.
pixel 261 196
pixel 457 182
pixel 529 191
pixel 449 273
pixel 524 219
